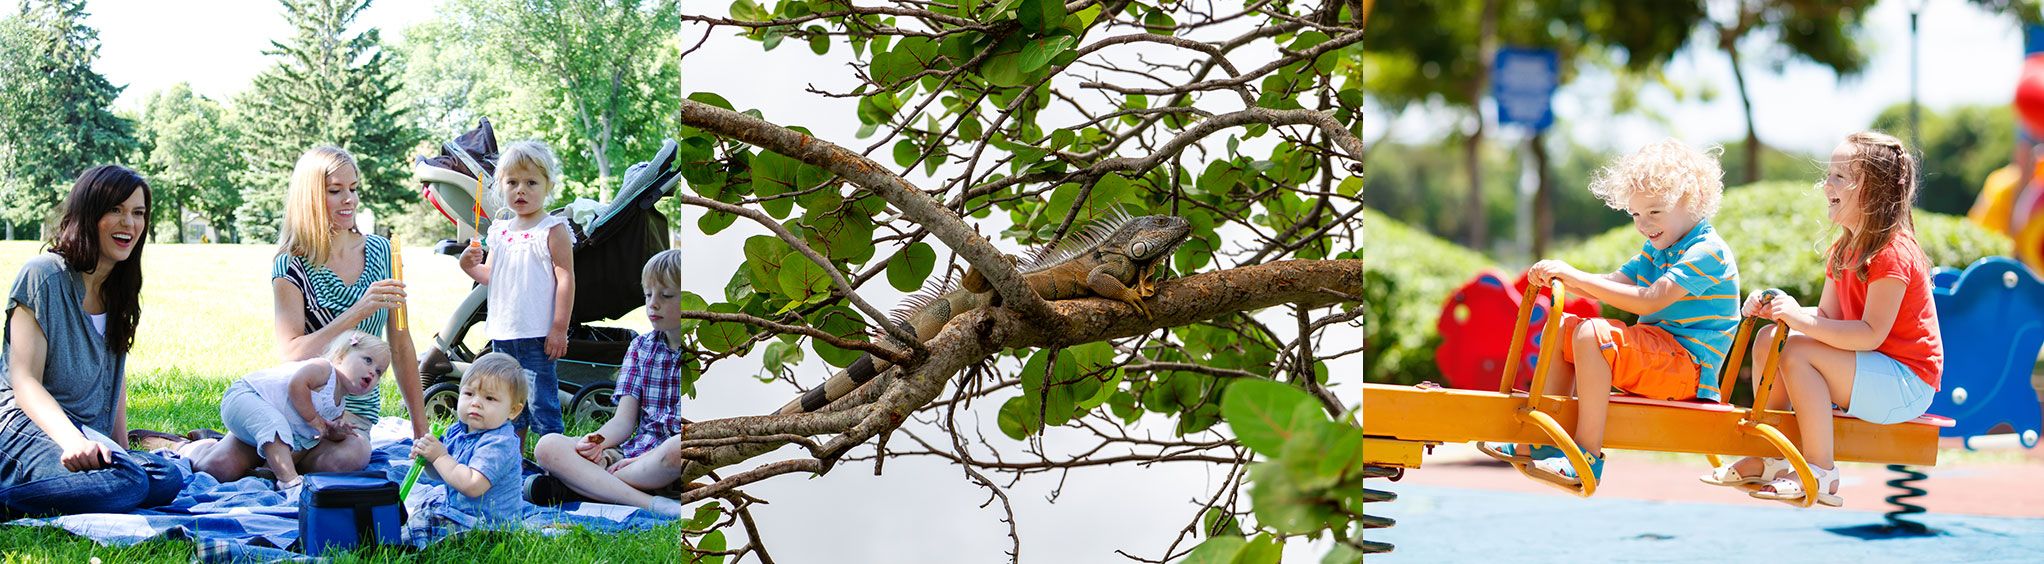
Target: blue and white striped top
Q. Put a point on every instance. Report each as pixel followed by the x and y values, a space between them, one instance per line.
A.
pixel 1702 321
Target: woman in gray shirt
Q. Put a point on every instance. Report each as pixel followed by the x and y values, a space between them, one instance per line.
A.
pixel 63 401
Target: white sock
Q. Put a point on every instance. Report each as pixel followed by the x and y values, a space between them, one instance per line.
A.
pixel 666 506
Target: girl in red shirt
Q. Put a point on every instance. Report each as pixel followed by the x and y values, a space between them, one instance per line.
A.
pixel 1871 346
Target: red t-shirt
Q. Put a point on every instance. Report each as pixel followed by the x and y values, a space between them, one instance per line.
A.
pixel 1914 340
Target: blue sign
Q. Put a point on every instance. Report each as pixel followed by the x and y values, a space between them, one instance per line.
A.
pixel 1523 83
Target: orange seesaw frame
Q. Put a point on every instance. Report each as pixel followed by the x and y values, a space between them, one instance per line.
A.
pixel 1399 420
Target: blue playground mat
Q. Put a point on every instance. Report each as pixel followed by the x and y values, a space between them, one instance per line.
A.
pixel 1437 524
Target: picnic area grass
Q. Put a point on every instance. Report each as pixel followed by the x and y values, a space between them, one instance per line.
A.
pixel 206 320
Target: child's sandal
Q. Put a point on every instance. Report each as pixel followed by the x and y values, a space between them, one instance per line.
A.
pixel 1509 452
pixel 1727 475
pixel 1790 488
pixel 1560 471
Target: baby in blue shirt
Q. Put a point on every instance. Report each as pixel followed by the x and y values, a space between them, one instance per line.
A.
pixel 479 458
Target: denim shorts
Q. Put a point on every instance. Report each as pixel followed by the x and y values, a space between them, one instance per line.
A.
pixel 1886 392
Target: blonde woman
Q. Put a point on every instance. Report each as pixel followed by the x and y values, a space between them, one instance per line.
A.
pixel 330 278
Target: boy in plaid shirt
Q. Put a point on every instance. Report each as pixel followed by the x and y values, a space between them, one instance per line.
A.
pixel 623 462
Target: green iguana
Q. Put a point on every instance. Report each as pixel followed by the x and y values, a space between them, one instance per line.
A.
pixel 1116 258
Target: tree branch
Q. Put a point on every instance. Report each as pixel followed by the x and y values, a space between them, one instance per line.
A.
pixel 863 172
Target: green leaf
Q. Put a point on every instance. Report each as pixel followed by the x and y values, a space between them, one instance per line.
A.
pixel 844 323
pixel 1004 70
pixel 1112 189
pixel 1017 418
pixel 1263 549
pixel 1265 414
pixel 763 255
pixel 801 278
pixel 1159 22
pixel 1039 52
pixel 906 152
pixel 706 515
pixel 908 271
pixel 773 173
pixel 912 55
pixel 1279 505
pixel 1192 255
pixel 1350 186
pixel 818 42
pixel 711 98
pixel 723 336
pixel 1216 550
pixel 748 10
pixel 715 221
pixel 713 542
pixel 1218 522
pixel 689 301
pixel 1040 15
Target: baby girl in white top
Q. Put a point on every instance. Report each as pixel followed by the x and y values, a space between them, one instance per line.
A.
pixel 285 410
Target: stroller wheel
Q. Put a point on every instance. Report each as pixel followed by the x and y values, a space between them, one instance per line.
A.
pixel 440 400
pixel 593 403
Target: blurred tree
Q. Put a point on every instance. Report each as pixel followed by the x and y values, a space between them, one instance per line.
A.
pixel 55 119
pixel 1824 33
pixel 189 158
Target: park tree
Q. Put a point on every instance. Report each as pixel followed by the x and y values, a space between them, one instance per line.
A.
pixel 328 86
pixel 1423 52
pixel 1030 120
pixel 594 78
pixel 190 159
pixel 55 116
pixel 1826 34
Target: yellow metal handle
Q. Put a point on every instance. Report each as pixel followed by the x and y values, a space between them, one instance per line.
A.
pixel 1518 343
pixel 1550 344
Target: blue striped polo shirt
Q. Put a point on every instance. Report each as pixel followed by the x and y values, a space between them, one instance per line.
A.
pixel 1702 321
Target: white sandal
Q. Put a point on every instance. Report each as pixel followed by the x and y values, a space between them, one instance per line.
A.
pixel 1770 470
pixel 1790 488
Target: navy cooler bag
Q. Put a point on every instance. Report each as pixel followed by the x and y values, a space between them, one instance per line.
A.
pixel 344 510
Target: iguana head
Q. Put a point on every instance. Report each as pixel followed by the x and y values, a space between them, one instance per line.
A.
pixel 1149 237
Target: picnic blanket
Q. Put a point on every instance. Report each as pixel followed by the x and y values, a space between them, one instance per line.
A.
pixel 248 520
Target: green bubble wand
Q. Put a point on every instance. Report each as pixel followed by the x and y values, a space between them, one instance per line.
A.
pixel 418 466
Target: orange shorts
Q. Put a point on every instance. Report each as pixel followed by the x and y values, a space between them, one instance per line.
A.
pixel 1645 360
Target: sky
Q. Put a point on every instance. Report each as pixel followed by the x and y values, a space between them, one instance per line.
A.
pixel 217 46
pixel 1968 57
pixel 918 510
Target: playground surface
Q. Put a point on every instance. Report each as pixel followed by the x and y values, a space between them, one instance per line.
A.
pixel 1984 506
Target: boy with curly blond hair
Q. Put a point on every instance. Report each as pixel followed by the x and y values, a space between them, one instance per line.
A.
pixel 1683 284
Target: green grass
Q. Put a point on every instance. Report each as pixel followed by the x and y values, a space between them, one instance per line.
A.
pixel 206 320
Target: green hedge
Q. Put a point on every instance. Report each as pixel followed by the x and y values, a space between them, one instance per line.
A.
pixel 1407 273
pixel 1778 232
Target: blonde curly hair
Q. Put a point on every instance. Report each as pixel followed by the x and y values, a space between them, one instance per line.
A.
pixel 1668 171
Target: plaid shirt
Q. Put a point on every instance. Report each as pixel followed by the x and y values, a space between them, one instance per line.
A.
pixel 652 373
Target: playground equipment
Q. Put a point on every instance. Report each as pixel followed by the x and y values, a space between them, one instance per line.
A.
pixel 1997 201
pixel 1992 316
pixel 1401 422
pixel 1474 324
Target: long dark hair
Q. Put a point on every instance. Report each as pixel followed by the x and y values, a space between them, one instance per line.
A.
pixel 1885 174
pixel 99 190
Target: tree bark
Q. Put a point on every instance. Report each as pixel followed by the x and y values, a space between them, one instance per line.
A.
pixel 1728 39
pixel 976 335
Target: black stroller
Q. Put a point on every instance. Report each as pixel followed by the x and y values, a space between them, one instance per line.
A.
pixel 610 244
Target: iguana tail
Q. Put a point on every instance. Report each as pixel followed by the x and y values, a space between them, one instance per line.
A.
pixel 923 314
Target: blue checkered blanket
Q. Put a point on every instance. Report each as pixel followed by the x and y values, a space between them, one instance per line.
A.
pixel 248 520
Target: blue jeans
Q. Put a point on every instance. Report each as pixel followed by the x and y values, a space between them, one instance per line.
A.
pixel 543 406
pixel 33 480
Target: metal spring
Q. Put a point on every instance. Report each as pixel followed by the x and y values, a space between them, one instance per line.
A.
pixel 1378 496
pixel 1907 484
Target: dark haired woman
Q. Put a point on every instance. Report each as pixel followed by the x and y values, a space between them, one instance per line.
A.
pixel 71 320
